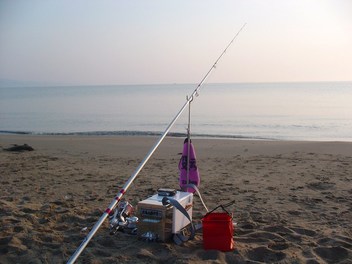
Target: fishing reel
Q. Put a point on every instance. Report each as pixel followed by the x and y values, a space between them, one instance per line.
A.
pixel 123 220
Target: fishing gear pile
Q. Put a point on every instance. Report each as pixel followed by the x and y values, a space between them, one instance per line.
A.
pixel 170 212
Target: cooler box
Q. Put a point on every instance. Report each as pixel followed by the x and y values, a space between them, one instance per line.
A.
pixel 218 232
pixel 159 222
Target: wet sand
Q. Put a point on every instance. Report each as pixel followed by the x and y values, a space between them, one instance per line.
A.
pixel 293 199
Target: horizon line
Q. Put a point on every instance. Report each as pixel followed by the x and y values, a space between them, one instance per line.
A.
pixel 22 84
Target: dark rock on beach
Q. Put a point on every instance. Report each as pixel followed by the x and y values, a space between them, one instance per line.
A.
pixel 19 148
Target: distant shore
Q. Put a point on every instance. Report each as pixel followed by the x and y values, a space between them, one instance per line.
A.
pixel 293 198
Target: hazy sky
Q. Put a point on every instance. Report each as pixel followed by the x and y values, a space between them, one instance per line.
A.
pixel 161 41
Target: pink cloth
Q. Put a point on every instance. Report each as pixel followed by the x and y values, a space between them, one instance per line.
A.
pixel 194 177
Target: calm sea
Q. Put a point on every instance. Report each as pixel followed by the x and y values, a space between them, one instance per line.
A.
pixel 284 111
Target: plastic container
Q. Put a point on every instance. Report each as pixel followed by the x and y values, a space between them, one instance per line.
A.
pixel 163 221
pixel 218 232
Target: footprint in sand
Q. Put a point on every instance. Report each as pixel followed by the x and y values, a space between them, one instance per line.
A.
pixel 339 241
pixel 332 254
pixel 321 186
pixel 279 245
pixel 303 231
pixel 266 255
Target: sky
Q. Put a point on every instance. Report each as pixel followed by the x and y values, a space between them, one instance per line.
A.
pixel 85 42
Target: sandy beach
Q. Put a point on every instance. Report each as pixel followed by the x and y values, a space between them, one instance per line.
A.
pixel 293 199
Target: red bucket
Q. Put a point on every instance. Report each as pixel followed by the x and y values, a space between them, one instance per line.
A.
pixel 218 232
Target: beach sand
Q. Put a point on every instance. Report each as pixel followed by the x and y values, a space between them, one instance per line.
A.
pixel 293 200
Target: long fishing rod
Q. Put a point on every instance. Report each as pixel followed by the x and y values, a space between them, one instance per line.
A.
pixel 118 197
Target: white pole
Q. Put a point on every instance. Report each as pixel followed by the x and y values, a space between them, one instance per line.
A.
pixel 188 142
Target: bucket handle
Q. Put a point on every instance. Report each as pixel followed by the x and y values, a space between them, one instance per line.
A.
pixel 222 206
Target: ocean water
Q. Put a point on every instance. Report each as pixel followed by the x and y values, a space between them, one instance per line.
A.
pixel 319 111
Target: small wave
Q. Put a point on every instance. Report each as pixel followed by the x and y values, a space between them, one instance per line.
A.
pixel 130 133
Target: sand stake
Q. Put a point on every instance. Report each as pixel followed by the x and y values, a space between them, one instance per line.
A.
pixel 118 197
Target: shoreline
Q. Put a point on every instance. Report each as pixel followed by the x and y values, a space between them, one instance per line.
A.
pixel 293 198
pixel 137 133
pixel 238 146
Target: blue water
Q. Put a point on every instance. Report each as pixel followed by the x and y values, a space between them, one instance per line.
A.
pixel 284 111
